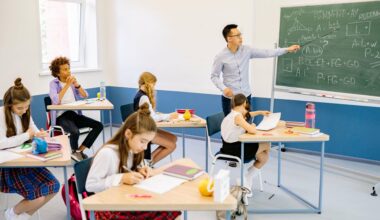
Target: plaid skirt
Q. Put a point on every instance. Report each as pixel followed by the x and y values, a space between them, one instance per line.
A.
pixel 31 183
pixel 138 215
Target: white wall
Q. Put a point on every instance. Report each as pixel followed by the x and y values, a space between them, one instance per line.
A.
pixel 20 50
pixel 177 41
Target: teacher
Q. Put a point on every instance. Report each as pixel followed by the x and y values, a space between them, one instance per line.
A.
pixel 233 63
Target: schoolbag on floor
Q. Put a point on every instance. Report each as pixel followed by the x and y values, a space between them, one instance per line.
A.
pixel 75 211
pixel 239 193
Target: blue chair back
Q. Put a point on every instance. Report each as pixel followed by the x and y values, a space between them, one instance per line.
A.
pixel 81 170
pixel 126 110
pixel 214 122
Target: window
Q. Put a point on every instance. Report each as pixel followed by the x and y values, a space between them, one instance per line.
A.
pixel 62 25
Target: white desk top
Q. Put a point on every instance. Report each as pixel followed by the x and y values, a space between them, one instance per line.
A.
pixel 281 134
pixel 183 197
pixel 81 105
pixel 65 160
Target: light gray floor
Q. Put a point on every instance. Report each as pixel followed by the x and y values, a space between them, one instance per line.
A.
pixel 346 195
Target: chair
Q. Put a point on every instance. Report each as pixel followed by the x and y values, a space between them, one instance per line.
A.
pixel 214 123
pixel 81 170
pixel 126 110
pixel 57 130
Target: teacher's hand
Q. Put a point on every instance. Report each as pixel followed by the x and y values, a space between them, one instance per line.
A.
pixel 228 92
pixel 293 48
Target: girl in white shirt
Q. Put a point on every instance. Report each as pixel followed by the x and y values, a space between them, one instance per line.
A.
pixel 234 125
pixel 166 140
pixel 36 185
pixel 120 161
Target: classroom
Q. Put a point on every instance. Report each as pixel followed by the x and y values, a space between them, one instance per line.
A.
pixel 173 55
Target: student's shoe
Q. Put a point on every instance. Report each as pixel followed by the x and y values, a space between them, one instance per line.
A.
pixel 76 156
pixel 232 164
pixel 84 156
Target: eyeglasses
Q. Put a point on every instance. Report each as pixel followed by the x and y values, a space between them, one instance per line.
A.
pixel 236 35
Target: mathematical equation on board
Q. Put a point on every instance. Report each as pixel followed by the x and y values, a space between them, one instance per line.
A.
pixel 317 59
pixel 340 48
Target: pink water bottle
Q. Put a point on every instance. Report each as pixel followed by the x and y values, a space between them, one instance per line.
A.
pixel 310 115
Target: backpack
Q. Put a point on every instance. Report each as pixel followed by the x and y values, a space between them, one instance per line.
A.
pixel 241 209
pixel 75 210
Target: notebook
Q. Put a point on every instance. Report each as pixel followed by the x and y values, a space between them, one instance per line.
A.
pixel 160 183
pixel 269 122
pixel 46 156
pixel 304 130
pixel 6 156
pixel 183 172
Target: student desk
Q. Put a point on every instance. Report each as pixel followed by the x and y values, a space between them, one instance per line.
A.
pixel 184 197
pixel 280 135
pixel 64 162
pixel 82 105
pixel 194 122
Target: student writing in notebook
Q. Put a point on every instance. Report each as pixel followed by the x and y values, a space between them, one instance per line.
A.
pixel 36 185
pixel 234 125
pixel 120 161
pixel 64 89
pixel 146 94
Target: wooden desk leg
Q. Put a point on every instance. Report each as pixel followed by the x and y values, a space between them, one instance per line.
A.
pixel 92 215
pixel 67 193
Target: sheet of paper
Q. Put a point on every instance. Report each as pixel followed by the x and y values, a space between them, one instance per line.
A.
pixel 22 148
pixel 269 122
pixel 81 102
pixel 6 155
pixel 160 183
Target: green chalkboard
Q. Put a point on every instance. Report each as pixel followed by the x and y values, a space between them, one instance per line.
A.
pixel 340 48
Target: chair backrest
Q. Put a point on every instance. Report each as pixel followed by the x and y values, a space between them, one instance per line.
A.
pixel 126 110
pixel 81 170
pixel 214 122
pixel 47 101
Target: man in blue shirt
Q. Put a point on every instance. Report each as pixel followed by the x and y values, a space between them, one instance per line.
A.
pixel 233 62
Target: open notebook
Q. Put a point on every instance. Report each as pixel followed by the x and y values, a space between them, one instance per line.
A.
pixel 269 122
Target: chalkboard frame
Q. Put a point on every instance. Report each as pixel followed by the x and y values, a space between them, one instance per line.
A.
pixel 315 92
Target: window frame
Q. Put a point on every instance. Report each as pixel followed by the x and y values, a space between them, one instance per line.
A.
pixel 81 64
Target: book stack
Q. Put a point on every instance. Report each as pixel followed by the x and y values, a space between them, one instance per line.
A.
pixel 183 172
pixel 306 131
pixel 53 144
pixel 291 124
pixel 46 156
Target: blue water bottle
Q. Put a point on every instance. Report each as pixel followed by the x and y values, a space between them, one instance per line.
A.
pixel 310 115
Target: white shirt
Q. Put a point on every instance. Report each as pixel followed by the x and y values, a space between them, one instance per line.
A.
pixel 153 114
pixel 229 130
pixel 104 171
pixel 20 137
pixel 68 97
